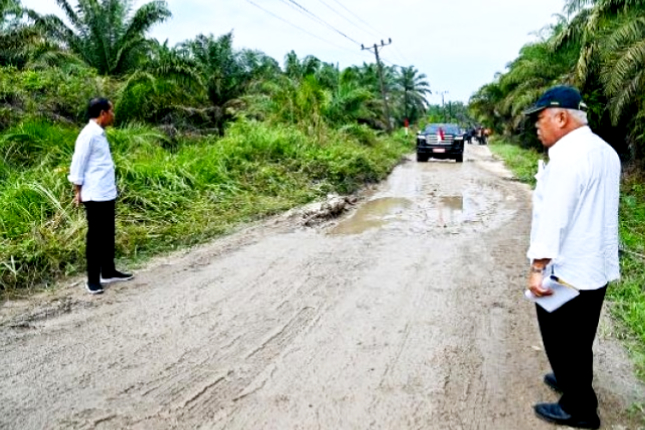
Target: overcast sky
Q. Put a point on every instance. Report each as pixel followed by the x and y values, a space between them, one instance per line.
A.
pixel 458 44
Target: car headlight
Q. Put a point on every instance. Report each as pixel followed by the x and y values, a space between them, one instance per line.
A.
pixel 421 137
pixel 459 138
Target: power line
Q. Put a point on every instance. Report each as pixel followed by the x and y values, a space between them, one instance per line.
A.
pixel 313 16
pixel 299 28
pixel 399 54
pixel 355 16
pixel 308 32
pixel 343 16
pixel 385 60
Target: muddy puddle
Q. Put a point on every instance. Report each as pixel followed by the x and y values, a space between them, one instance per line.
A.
pixel 401 213
pixel 422 198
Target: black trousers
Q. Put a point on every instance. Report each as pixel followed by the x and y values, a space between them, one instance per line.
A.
pixel 100 239
pixel 568 334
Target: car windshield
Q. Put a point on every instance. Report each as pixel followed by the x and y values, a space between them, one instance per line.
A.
pixel 447 128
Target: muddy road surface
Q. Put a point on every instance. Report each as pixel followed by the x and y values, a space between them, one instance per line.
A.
pixel 404 313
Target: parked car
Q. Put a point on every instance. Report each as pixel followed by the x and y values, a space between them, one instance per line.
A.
pixel 440 141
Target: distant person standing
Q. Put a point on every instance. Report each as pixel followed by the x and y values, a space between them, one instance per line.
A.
pixel 574 237
pixel 92 173
pixel 480 135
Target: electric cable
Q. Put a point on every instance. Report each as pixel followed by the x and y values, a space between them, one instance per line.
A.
pixel 313 16
pixel 300 28
pixel 345 18
pixel 399 54
pixel 357 17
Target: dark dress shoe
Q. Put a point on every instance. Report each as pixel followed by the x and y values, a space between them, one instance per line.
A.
pixel 549 379
pixel 553 413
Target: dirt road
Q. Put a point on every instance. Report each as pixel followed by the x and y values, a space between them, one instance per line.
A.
pixel 407 313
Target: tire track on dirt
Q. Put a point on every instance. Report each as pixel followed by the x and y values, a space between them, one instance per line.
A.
pixel 414 323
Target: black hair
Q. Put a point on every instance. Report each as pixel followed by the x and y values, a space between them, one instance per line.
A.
pixel 96 106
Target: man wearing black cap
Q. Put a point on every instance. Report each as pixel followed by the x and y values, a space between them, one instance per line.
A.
pixel 574 237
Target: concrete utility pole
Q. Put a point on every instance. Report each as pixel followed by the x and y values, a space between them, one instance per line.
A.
pixel 380 76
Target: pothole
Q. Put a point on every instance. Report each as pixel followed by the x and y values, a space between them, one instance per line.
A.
pixel 374 214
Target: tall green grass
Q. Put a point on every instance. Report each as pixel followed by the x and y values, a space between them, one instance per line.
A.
pixel 628 295
pixel 172 193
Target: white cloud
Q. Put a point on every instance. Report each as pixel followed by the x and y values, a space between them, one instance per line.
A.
pixel 459 44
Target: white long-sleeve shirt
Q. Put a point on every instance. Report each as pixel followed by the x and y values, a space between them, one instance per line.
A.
pixel 92 166
pixel 575 211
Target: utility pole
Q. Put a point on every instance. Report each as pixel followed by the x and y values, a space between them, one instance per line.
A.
pixel 380 76
pixel 443 104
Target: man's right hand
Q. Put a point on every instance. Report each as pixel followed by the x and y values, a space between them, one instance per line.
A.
pixel 77 197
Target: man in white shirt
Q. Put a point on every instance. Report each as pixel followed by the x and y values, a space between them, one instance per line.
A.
pixel 92 173
pixel 574 237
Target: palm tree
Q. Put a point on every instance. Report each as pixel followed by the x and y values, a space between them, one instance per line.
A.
pixel 108 35
pixel 611 36
pixel 413 89
pixel 596 45
pixel 623 75
pixel 367 77
pixel 484 105
pixel 297 69
pixel 226 72
pixel 350 102
pixel 17 38
pixel 166 82
pixel 171 63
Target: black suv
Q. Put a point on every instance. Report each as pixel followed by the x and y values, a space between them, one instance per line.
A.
pixel 440 141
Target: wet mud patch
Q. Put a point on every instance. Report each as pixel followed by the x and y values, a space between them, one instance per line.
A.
pixel 475 209
pixel 434 198
pixel 319 212
pixel 375 214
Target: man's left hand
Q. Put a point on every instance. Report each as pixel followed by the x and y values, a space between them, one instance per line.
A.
pixel 535 285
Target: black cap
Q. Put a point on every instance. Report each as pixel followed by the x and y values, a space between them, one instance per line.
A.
pixel 558 97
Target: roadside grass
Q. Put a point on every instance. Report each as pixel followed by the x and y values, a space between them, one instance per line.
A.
pixel 627 296
pixel 173 193
pixel 522 162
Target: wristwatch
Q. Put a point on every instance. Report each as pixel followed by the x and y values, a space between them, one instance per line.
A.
pixel 536 270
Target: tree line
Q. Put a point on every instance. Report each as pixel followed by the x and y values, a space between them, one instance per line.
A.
pixel 597 46
pixel 199 84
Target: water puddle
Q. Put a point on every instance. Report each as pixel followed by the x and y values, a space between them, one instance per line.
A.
pixel 374 214
pixel 450 210
pixel 404 214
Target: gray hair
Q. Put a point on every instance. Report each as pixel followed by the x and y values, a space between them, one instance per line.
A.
pixel 578 115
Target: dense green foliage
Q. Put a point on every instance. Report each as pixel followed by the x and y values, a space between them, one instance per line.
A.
pixel 598 46
pixel 207 135
pixel 626 296
pixel 452 112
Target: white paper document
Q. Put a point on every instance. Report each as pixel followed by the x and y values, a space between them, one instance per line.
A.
pixel 561 295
